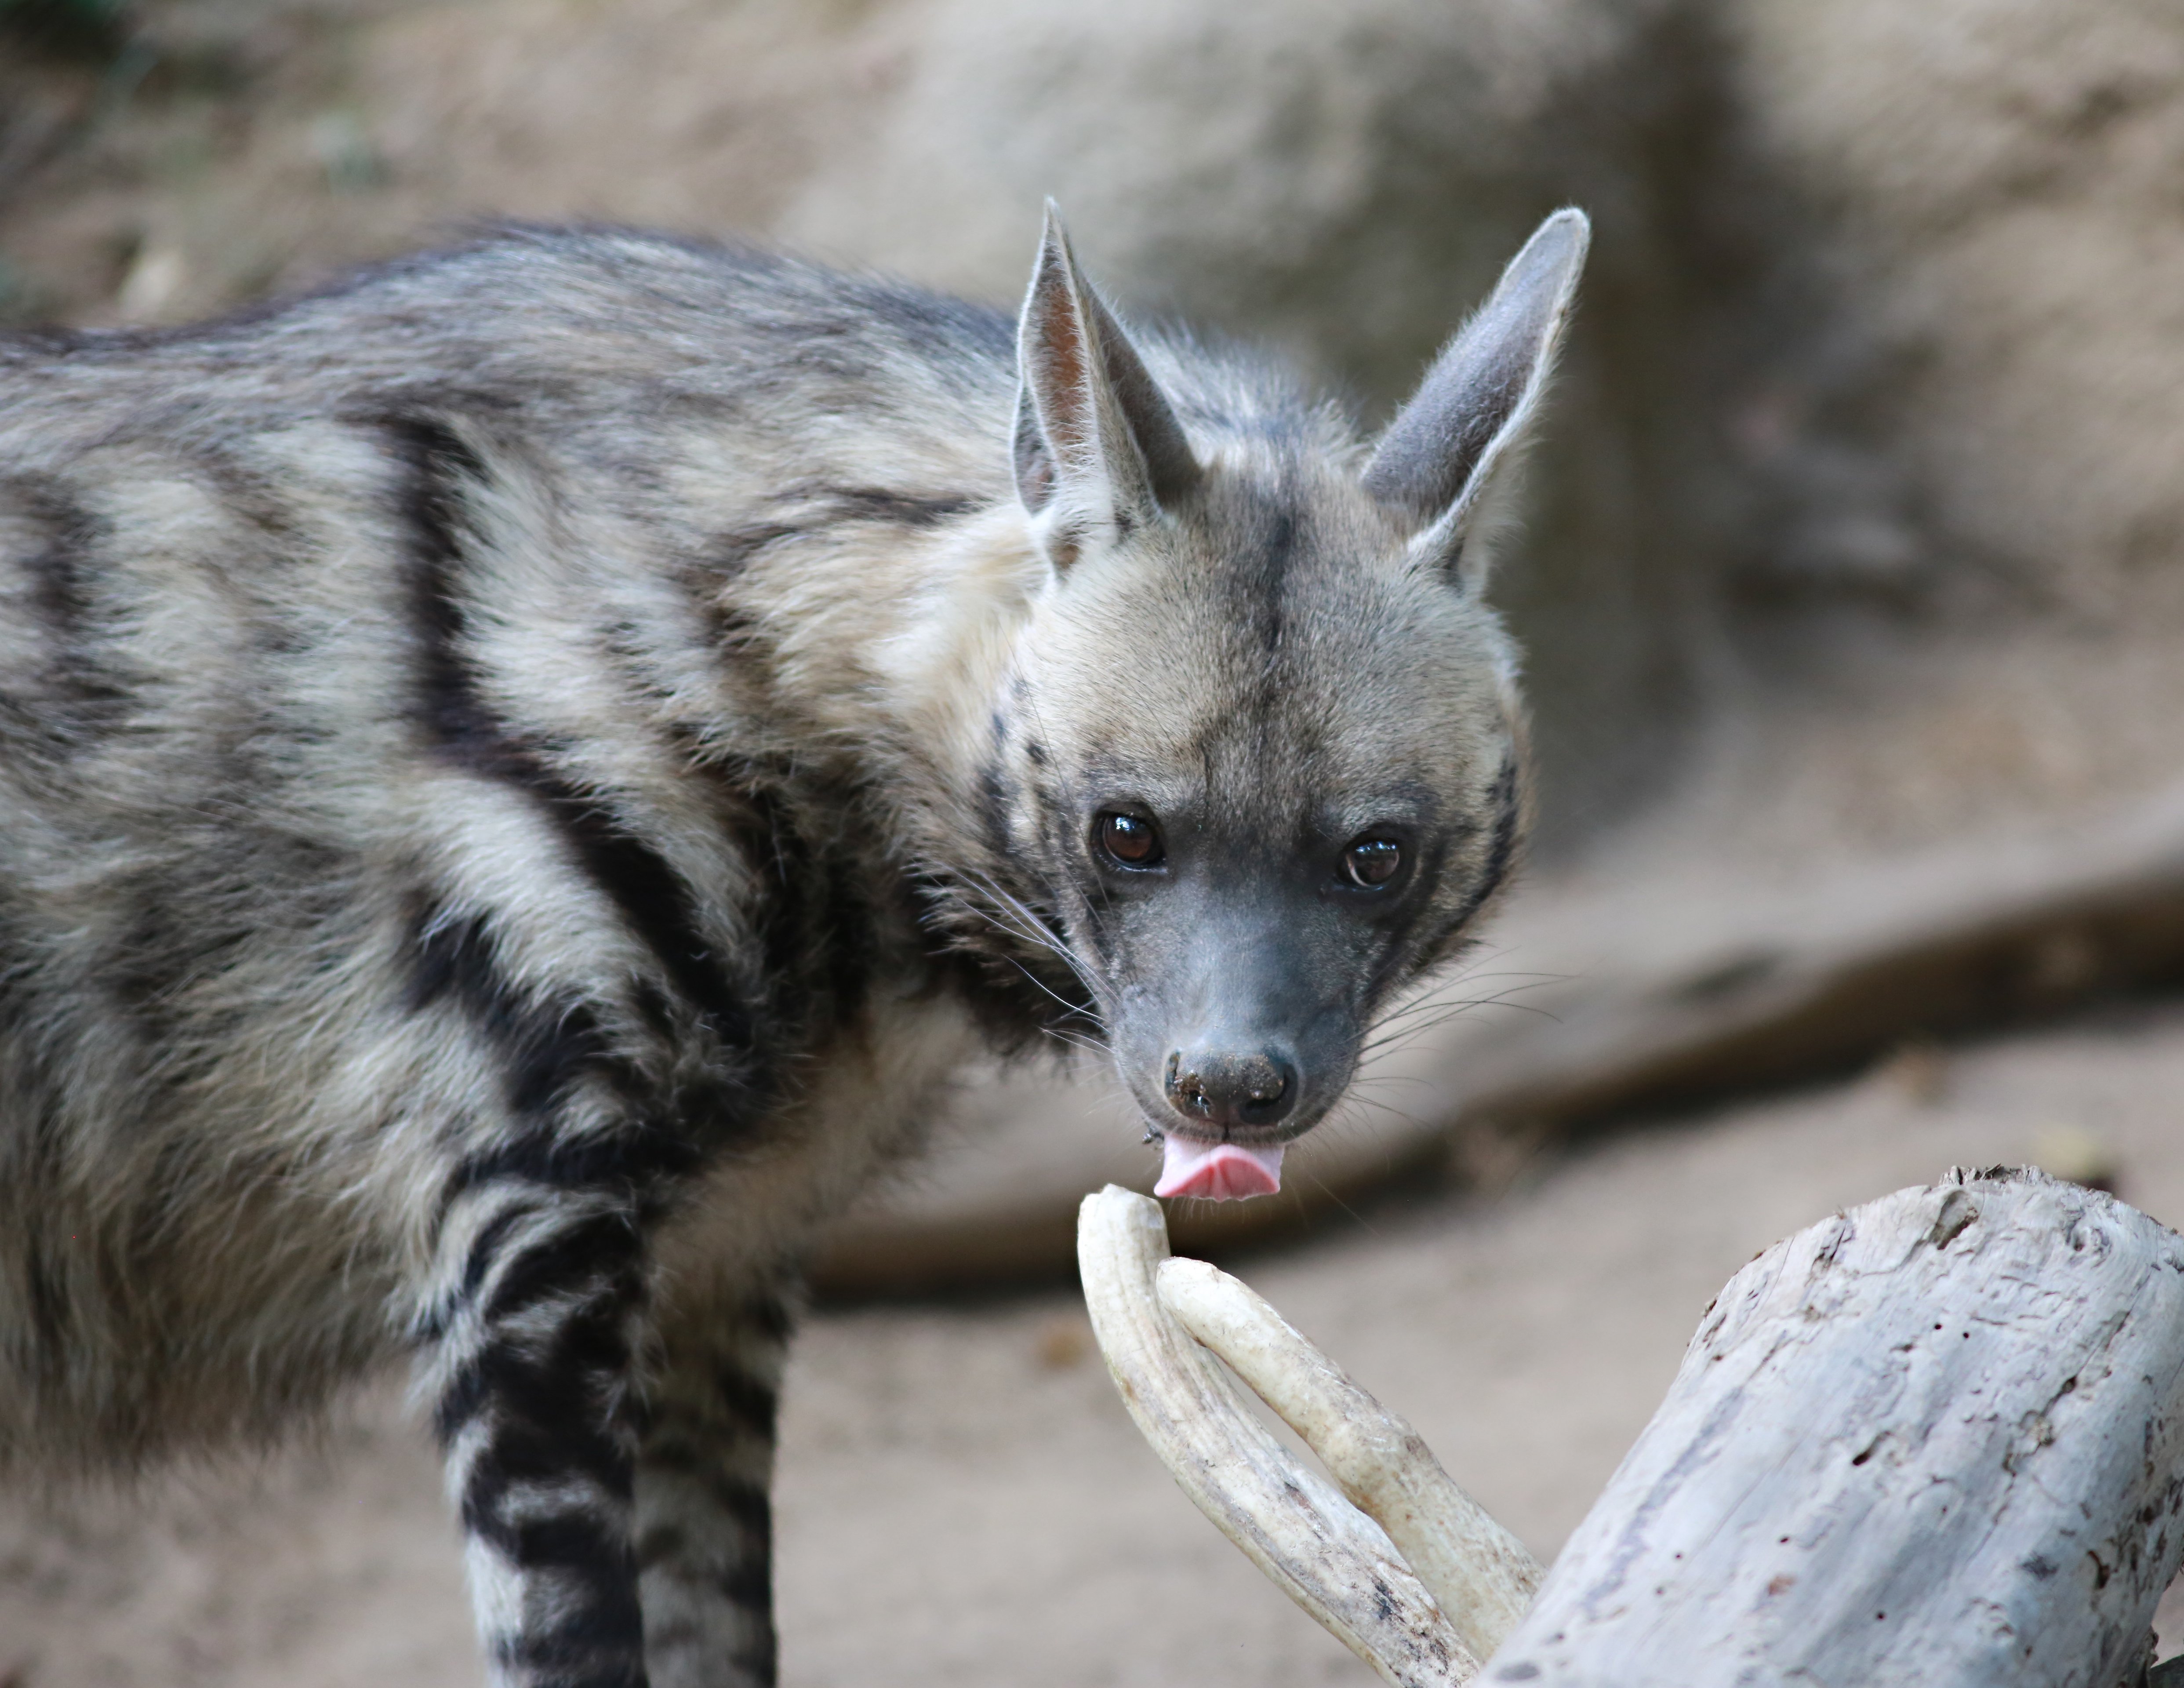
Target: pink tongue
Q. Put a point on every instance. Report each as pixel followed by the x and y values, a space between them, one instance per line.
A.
pixel 1220 1172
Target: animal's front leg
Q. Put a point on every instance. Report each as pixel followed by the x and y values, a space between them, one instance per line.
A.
pixel 531 1374
pixel 704 1481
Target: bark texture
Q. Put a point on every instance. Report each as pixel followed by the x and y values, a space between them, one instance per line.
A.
pixel 1933 1441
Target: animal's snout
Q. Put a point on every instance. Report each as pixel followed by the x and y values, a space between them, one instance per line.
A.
pixel 1225 1088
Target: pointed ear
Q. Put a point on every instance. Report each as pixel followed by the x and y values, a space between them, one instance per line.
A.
pixel 1098 449
pixel 1433 464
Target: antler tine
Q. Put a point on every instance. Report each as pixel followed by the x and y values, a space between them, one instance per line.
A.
pixel 1482 1576
pixel 1324 1554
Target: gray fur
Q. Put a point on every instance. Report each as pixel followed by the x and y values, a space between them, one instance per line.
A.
pixel 1092 425
pixel 1438 457
pixel 522 775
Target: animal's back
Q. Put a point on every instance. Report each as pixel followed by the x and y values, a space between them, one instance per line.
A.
pixel 361 708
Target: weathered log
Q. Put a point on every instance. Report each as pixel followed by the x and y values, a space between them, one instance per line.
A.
pixel 1936 1441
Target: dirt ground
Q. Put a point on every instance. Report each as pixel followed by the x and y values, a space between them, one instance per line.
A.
pixel 962 1499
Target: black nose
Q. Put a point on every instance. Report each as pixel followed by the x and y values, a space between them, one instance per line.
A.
pixel 1225 1090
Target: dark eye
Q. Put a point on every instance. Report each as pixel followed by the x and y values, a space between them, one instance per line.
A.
pixel 1130 839
pixel 1372 861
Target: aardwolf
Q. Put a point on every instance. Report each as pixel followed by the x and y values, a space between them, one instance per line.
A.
pixel 525 771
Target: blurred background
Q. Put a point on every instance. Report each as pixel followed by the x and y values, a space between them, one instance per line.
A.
pixel 1851 582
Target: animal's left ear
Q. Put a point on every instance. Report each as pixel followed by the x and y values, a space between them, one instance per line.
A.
pixel 1434 463
pixel 1098 450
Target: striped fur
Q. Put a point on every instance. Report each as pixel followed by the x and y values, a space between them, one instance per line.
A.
pixel 521 776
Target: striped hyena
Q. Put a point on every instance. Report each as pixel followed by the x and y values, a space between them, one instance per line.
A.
pixel 526 770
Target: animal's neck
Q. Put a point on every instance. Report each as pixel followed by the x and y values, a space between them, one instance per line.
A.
pixel 894 644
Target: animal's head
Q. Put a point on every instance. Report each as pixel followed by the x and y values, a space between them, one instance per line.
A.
pixel 1262 764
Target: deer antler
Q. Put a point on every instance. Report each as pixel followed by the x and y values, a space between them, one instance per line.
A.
pixel 1482 1576
pixel 1329 1557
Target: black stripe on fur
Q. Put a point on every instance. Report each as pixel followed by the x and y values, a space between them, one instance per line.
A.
pixel 548 1268
pixel 749 1585
pixel 552 1386
pixel 1500 848
pixel 747 1502
pixel 552 1402
pixel 89 699
pixel 587 1648
pixel 1501 856
pixel 754 1403
pixel 546 1049
pixel 883 503
pixel 651 896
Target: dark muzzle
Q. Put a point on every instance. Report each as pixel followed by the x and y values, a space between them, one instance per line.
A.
pixel 1221 1091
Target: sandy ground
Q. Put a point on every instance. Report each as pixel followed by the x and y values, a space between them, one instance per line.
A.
pixel 962 1499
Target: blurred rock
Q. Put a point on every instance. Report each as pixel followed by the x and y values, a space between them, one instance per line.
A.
pixel 1959 405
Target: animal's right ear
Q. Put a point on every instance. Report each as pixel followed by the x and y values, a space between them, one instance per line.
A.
pixel 1098 450
pixel 1433 464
